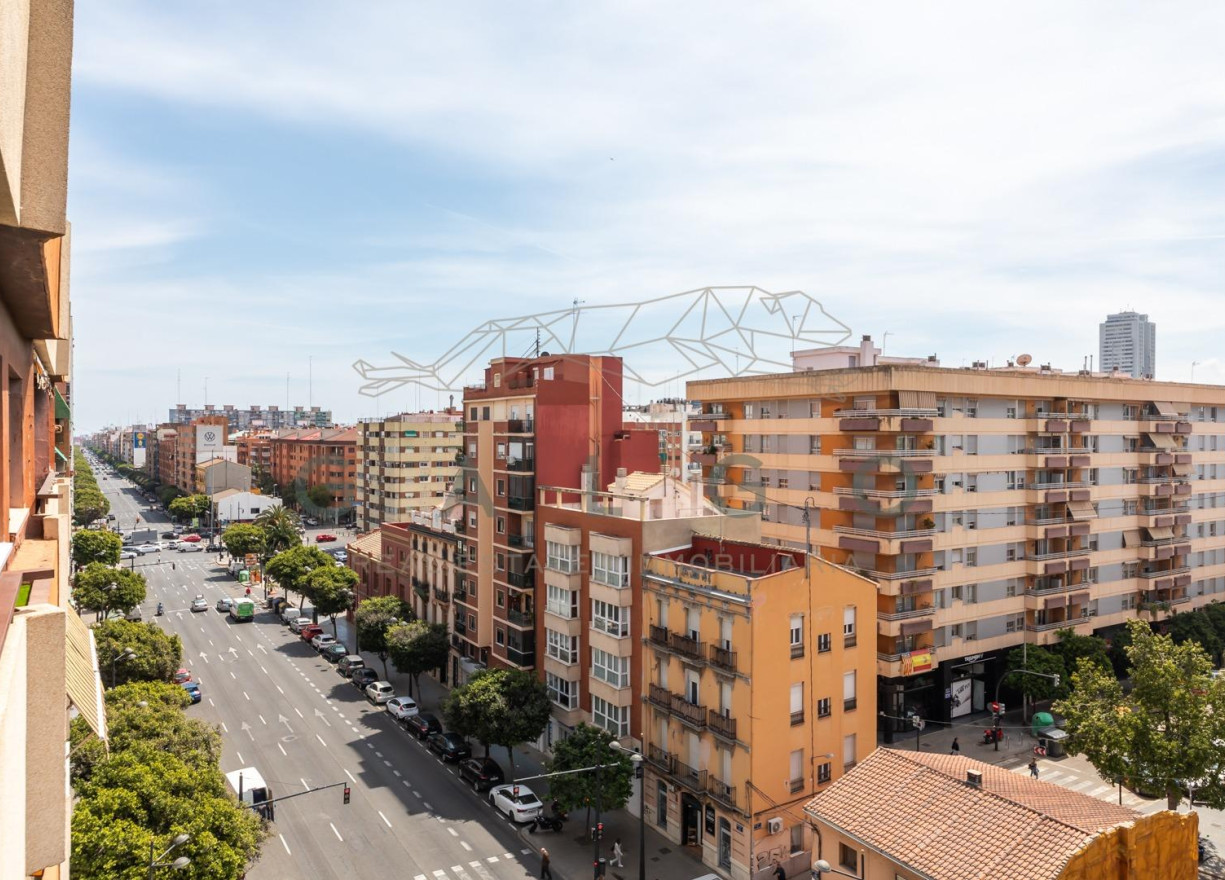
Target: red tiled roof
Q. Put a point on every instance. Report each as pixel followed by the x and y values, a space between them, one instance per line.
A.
pixel 919 810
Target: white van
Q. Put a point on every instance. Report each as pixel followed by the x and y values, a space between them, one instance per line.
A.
pixel 289 614
pixel 249 787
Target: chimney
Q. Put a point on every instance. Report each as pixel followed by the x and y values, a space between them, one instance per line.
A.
pixel 620 483
pixel 867 352
pixel 974 778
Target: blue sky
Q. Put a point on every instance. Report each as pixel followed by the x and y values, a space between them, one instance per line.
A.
pixel 256 195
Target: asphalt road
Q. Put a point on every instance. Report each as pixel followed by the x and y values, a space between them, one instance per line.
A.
pixel 285 711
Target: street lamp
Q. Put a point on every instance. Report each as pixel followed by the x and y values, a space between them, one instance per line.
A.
pixel 637 759
pixel 178 864
pixel 125 654
pixel 823 867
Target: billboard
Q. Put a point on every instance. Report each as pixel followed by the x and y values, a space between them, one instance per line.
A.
pixel 139 440
pixel 209 441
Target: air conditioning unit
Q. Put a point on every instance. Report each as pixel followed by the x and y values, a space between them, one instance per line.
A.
pixel 775 825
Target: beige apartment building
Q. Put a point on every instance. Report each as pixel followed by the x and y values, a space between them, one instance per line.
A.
pixel 759 691
pixel 405 463
pixel 993 507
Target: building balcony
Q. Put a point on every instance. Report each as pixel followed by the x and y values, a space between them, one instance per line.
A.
pixel 519 657
pixel 899 575
pixel 884 453
pixel 421 589
pixel 525 619
pixel 460 627
pixel 722 792
pixel 687 713
pixel 521 465
pixel 442 595
pixel 661 759
pixel 519 579
pixel 686 646
pixel 884 534
pixel 1058 624
pixel 520 502
pixel 657 635
pixel 912 614
pixel 721 725
pixel 521 426
pixel 1149 574
pixel 884 493
pixel 722 658
pixel 1059 554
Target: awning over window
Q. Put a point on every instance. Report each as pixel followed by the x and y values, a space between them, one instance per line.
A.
pixel 1081 510
pixel 1165 409
pixel 61 406
pixel 59 453
pixel 1132 538
pixel 1160 534
pixel 916 400
pixel 83 684
pixel 1182 470
pixel 1161 441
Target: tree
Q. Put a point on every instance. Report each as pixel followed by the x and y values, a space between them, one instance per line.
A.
pixel 100 588
pixel 589 746
pixel 159 721
pixel 331 591
pixel 416 647
pixel 167 494
pixel 243 538
pixel 88 502
pixel 1162 731
pixel 101 547
pixel 372 618
pixel 190 507
pixel 158 653
pixel 1195 627
pixel 1036 659
pixel 280 526
pixel 291 568
pixel 1072 647
pixel 499 707
pixel 319 496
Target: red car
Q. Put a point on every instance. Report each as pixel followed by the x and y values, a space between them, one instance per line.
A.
pixel 310 631
pixel 323 538
pixel 182 676
pixel 191 539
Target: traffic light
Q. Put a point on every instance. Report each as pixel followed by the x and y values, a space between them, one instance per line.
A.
pixel 599 831
pixel 346 794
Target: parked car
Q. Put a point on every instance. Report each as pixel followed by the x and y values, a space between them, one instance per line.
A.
pixel 402 707
pixel 341 556
pixel 482 773
pixel 518 802
pixel 214 548
pixel 146 549
pixel 324 537
pixel 380 692
pixel 290 613
pixel 223 604
pixel 322 640
pixel 333 653
pixel 363 677
pixel 193 690
pixel 309 631
pixel 349 664
pixel 310 521
pixel 199 604
pixel 169 535
pixel 134 615
pixel 297 624
pixel 422 724
pixel 126 554
pixel 191 548
pixel 449 746
pixel 182 675
pixel 191 539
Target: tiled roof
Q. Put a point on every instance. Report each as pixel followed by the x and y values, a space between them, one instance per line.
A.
pixel 371 544
pixel 637 483
pixel 919 810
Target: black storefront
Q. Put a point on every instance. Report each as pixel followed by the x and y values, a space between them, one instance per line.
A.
pixel 953 692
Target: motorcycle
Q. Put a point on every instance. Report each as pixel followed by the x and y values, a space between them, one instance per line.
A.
pixel 160 610
pixel 547 823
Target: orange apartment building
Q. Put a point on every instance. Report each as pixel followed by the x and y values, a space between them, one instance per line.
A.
pixel 734 746
pixel 195 442
pixel 318 457
pixel 254 449
pixel 162 455
pixel 993 507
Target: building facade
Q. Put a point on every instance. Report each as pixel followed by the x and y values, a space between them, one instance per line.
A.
pixel 254 449
pixel 734 747
pixel 1127 341
pixel 203 439
pixel 311 457
pixel 48 662
pixel 994 507
pixel 406 463
pixel 255 418
pixel 218 474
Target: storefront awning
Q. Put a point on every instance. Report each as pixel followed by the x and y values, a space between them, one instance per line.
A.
pixel 1081 510
pixel 61 406
pixel 1161 441
pixel 1160 534
pixel 916 400
pixel 83 685
pixel 1165 409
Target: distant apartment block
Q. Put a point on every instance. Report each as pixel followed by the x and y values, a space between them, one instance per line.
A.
pixel 405 463
pixel 1127 342
pixel 310 457
pixel 256 417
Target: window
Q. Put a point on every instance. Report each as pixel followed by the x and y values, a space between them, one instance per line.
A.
pixel 563 693
pixel 971 630
pixel 797 703
pixel 797 635
pixel 848 690
pixel 823 772
pixel 563 603
pixel 614 719
pixel 848 625
pixel 1014 623
pixel 797 770
pixel 499 636
pixel 501 487
pixel 611 619
pixel 823 708
pixel 561 647
pixel 548 373
pixel 484 413
pixel 500 525
pixel 849 745
pixel 612 571
pixel 823 643
pixel 848 858
pixel 561 557
pixel 610 668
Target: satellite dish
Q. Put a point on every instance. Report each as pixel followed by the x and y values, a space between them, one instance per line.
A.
pixel 1024 360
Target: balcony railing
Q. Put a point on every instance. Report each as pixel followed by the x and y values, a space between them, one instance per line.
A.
pixel 899 575
pixel 907 615
pixel 661 759
pixel 524 465
pixel 1164 572
pixel 721 725
pixel 658 635
pixel 520 579
pixel 520 618
pixel 723 658
pixel 884 493
pixel 520 426
pixel 442 595
pixel 722 792
pixel 1059 554
pixel 686 645
pixel 1059 624
pixel 690 777
pixel 421 590
pixel 460 626
pixel 520 657
pixel 520 502
pixel 884 453
pixel 688 713
pixel 884 534
pixel 917 413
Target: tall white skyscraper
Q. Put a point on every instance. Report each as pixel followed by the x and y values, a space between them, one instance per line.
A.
pixel 1128 340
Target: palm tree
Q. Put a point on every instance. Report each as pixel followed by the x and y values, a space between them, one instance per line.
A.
pixel 280 527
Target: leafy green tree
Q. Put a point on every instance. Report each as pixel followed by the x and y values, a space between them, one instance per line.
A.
pixel 280 526
pixel 167 494
pixel 1071 647
pixel 158 653
pixel 144 713
pixel 373 617
pixel 1035 658
pixel 291 568
pixel 1119 642
pixel 499 707
pixel 331 591
pixel 589 746
pixel 416 647
pixel 88 502
pixel 319 496
pixel 1195 626
pixel 190 507
pixel 100 588
pixel 293 493
pixel 243 538
pixel 88 546
pixel 1161 732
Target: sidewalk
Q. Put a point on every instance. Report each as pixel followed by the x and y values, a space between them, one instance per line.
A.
pixel 938 738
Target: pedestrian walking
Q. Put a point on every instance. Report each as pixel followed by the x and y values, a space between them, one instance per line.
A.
pixel 779 872
pixel 545 873
pixel 1033 767
pixel 956 746
pixel 617 853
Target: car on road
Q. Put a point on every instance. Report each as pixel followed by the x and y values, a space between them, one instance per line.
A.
pixel 322 640
pixel 518 802
pixel 341 556
pixel 134 614
pixel 380 692
pixel 223 604
pixel 297 624
pixel 324 537
pixel 309 631
pixel 193 690
pixel 199 604
pixel 191 548
pixel 182 675
pixel 169 535
pixel 449 746
pixel 146 549
pixel 422 724
pixel 347 665
pixel 191 539
pixel 402 707
pixel 482 773
pixel 310 521
pixel 171 545
pixel 214 548
pixel 333 653
pixel 126 554
pixel 363 677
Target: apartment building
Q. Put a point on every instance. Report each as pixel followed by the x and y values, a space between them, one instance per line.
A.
pixel 254 449
pixel 993 506
pixel 219 474
pixel 588 636
pixel 201 440
pixel 669 418
pixel 760 692
pixel 48 663
pixel 255 418
pixel 165 454
pixel 310 457
pixel 532 420
pixel 1127 341
pixel 405 463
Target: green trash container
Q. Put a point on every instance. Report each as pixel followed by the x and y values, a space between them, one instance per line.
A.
pixel 1042 720
pixel 244 576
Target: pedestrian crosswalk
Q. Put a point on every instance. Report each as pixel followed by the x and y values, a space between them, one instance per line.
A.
pixel 477 869
pixel 1091 786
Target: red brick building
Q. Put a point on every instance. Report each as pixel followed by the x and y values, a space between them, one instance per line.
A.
pixel 318 457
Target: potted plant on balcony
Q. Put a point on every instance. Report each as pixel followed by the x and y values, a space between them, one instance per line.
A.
pixel 927 523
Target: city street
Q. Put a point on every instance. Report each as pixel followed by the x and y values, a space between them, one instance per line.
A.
pixel 286 712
